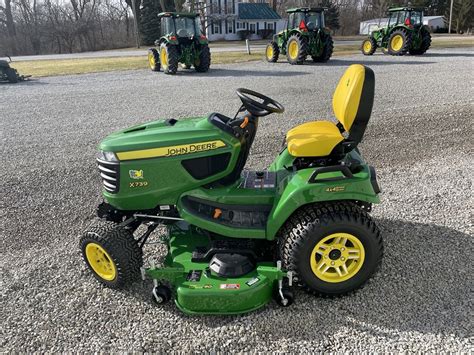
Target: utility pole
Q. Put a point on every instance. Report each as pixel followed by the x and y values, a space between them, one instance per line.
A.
pixel 450 17
pixel 135 23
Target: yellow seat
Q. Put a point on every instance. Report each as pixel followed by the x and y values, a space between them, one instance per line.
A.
pixel 352 105
pixel 313 139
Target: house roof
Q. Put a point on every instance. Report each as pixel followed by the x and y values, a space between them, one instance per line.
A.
pixel 260 11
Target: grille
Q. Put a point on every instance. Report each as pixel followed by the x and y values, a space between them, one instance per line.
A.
pixel 110 174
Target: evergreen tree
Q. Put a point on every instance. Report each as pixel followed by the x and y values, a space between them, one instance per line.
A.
pixel 149 21
pixel 331 15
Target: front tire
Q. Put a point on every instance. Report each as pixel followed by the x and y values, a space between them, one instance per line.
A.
pixel 169 58
pixel 153 59
pixel 369 46
pixel 332 248
pixel 112 254
pixel 203 63
pixel 399 42
pixel 296 49
pixel 272 52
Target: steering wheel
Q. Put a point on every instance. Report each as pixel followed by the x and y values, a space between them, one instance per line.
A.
pixel 257 108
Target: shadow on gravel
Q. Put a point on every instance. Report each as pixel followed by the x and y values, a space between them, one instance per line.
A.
pixel 448 55
pixel 423 286
pixel 28 82
pixel 217 72
pixel 346 62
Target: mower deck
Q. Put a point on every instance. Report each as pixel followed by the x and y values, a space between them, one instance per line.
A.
pixel 200 290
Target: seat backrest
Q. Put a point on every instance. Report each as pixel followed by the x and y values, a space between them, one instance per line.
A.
pixel 353 99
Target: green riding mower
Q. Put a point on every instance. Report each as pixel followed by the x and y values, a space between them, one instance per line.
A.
pixel 236 239
pixel 404 33
pixel 182 42
pixel 305 35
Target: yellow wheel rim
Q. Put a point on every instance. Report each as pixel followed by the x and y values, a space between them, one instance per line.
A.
pixel 164 58
pixel 101 262
pixel 396 43
pixel 367 46
pixel 151 60
pixel 269 52
pixel 293 49
pixel 337 257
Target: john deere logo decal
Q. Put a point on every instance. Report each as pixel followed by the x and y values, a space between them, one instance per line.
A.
pixel 171 151
pixel 335 189
pixel 136 174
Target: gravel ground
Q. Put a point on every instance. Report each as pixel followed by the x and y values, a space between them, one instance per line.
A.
pixel 419 139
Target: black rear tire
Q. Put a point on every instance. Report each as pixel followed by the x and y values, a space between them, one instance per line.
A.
pixel 203 64
pixel 425 43
pixel 122 248
pixel 272 52
pixel 309 225
pixel 302 50
pixel 327 51
pixel 11 75
pixel 405 45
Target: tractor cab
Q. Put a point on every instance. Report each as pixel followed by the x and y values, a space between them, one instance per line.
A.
pixel 306 19
pixel 184 26
pixel 405 16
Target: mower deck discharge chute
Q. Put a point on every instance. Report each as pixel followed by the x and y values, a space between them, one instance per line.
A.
pixel 237 239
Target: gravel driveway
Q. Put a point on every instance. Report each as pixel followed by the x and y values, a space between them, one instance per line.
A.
pixel 419 139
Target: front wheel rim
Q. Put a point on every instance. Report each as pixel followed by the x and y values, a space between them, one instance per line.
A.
pixel 367 46
pixel 269 52
pixel 164 58
pixel 101 262
pixel 151 60
pixel 337 257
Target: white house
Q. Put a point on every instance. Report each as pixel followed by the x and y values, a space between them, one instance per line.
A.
pixel 229 19
pixel 433 22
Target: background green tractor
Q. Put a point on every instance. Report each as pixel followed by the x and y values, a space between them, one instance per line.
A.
pixel 404 33
pixel 182 42
pixel 305 35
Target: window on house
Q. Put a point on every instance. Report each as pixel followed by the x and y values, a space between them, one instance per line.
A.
pixel 216 28
pixel 252 28
pixel 269 26
pixel 229 27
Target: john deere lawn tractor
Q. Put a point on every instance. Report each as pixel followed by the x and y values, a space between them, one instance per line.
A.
pixel 237 239
pixel 182 42
pixel 305 35
pixel 405 33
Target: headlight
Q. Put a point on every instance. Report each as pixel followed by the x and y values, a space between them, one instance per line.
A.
pixel 107 156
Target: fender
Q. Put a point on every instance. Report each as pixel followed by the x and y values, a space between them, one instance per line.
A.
pixel 296 191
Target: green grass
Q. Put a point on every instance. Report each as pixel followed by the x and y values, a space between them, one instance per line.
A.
pixel 41 68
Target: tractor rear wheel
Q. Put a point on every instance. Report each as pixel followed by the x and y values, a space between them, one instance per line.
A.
pixel 327 51
pixel 399 42
pixel 332 248
pixel 153 59
pixel 112 254
pixel 272 52
pixel 296 49
pixel 169 58
pixel 369 46
pixel 425 43
pixel 11 75
pixel 203 63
